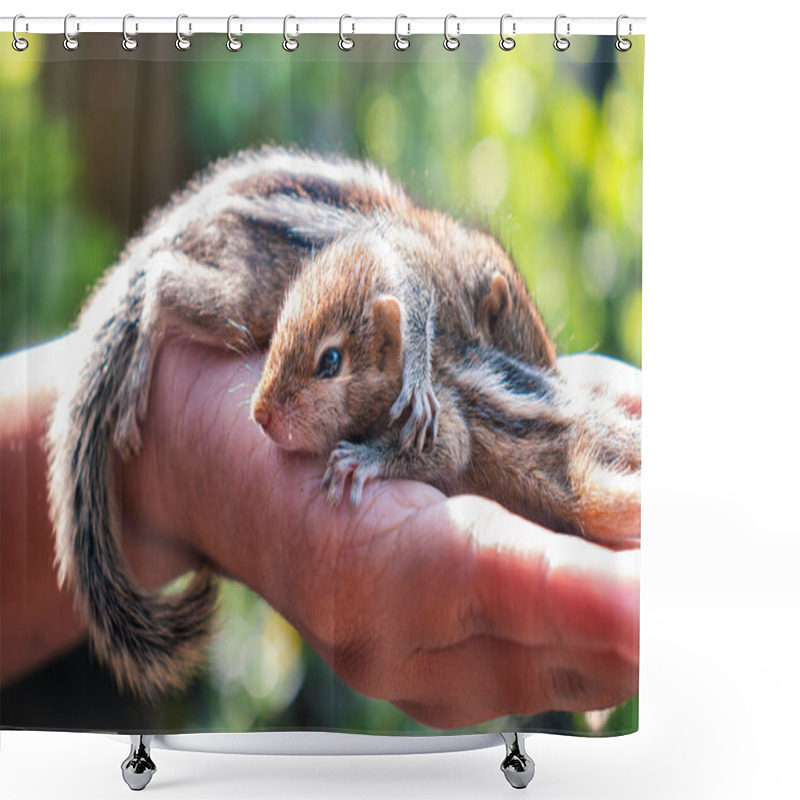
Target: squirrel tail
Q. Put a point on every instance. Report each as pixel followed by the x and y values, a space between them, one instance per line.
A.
pixel 152 643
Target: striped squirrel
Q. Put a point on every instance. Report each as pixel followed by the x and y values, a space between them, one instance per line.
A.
pixel 510 428
pixel 216 264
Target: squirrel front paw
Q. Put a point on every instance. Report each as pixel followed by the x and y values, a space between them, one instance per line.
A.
pixel 361 462
pixel 423 419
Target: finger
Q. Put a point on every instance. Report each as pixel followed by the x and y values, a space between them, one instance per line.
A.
pixel 422 570
pixel 598 370
pixel 632 403
pixel 502 575
pixel 485 678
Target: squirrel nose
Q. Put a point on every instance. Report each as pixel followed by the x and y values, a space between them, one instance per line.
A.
pixel 260 411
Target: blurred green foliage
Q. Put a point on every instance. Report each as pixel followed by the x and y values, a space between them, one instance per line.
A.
pixel 542 148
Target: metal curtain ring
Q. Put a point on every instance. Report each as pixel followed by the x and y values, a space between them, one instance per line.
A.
pixel 345 43
pixel 400 42
pixel 623 45
pixel 233 44
pixel 561 44
pixel 128 42
pixel 182 42
pixel 506 42
pixel 19 44
pixel 450 42
pixel 70 42
pixel 290 44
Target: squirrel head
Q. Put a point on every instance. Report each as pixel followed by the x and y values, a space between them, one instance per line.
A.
pixel 334 366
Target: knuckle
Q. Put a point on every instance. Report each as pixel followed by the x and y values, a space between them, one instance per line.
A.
pixel 349 662
pixel 357 662
pixel 567 684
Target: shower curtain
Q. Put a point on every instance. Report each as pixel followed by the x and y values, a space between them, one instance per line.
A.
pixel 410 613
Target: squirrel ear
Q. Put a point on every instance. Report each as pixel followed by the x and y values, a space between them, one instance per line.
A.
pixel 388 331
pixel 495 303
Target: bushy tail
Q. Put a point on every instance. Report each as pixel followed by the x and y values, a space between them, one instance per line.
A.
pixel 151 642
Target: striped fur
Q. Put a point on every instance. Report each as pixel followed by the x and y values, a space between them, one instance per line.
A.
pixel 538 448
pixel 513 431
pixel 214 264
pixel 438 325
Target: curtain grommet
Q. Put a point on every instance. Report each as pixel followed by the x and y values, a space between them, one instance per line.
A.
pixel 128 42
pixel 345 42
pixel 451 43
pixel 290 43
pixel 18 43
pixel 401 42
pixel 70 42
pixel 234 44
pixel 182 42
pixel 507 42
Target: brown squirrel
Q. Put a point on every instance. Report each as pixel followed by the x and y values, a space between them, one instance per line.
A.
pixel 452 372
pixel 504 424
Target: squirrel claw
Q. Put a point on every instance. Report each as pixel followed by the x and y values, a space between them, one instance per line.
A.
pixel 334 480
pixel 356 461
pixel 423 422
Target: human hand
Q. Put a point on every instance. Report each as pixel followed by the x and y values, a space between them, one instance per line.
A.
pixel 453 609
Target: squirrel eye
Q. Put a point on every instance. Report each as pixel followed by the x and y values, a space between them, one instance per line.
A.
pixel 330 363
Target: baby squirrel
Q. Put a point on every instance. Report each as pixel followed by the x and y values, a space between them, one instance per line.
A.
pixel 509 427
pixel 401 331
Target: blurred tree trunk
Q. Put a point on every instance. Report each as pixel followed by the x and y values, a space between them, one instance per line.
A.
pixel 126 112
